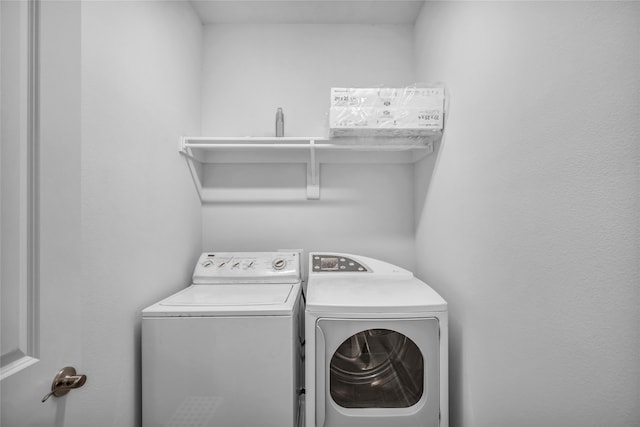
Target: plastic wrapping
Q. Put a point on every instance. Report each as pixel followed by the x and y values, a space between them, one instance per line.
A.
pixel 411 113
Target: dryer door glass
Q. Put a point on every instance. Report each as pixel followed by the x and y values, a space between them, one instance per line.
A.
pixel 377 368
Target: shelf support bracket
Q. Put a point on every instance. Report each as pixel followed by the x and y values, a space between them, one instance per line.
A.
pixel 313 173
pixel 193 168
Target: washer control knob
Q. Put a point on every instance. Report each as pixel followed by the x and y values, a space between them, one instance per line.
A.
pixel 207 264
pixel 279 264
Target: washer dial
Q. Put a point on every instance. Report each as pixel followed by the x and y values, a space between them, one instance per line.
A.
pixel 279 263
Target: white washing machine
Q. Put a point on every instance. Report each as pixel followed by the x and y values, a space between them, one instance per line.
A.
pixel 226 351
pixel 376 346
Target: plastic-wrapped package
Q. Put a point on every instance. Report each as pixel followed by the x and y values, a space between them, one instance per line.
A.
pixel 410 112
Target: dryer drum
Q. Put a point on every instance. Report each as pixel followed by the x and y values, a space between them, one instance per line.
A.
pixel 377 368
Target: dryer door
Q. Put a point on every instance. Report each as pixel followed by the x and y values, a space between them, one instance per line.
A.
pixel 377 372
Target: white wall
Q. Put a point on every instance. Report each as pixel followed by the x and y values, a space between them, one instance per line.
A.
pixel 141 219
pixel 249 71
pixel 527 219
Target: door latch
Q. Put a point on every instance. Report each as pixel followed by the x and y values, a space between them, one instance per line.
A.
pixel 65 381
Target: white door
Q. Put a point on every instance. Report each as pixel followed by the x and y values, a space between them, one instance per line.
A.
pixel 377 373
pixel 50 333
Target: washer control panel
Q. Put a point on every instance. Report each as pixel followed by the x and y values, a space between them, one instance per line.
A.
pixel 336 263
pixel 247 267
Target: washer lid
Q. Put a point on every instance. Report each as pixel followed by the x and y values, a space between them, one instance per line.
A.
pixel 228 300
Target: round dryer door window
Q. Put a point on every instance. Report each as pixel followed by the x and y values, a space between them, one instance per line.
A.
pixel 377 368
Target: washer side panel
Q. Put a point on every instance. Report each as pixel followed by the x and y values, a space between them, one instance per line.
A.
pixel 211 370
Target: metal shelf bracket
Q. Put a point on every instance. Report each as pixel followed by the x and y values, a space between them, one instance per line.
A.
pixel 313 173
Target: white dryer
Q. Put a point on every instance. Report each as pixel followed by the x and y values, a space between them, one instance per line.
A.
pixel 226 351
pixel 376 346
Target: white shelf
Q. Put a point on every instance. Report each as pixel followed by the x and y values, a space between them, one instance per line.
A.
pixel 311 151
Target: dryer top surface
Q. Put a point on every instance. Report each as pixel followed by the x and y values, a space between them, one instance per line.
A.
pixel 371 295
pixel 352 284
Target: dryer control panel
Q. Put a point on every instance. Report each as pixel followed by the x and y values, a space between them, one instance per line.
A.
pixel 247 267
pixel 335 263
